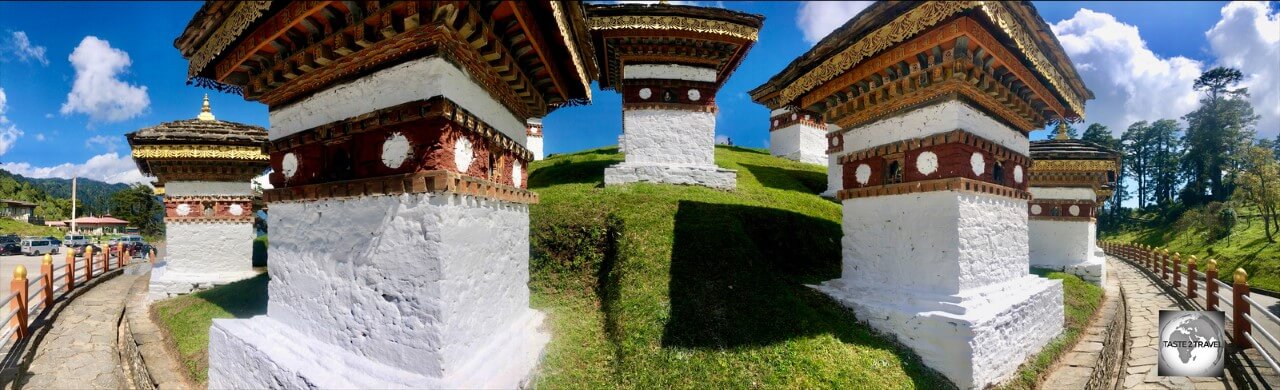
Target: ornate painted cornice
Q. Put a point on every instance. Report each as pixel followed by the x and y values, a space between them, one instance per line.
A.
pixel 216 152
pixel 245 14
pixel 1074 166
pixel 648 22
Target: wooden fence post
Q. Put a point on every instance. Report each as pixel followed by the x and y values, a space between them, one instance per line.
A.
pixel 88 264
pixel 71 270
pixel 1191 277
pixel 106 261
pixel 19 285
pixel 1239 308
pixel 46 276
pixel 1177 268
pixel 1211 285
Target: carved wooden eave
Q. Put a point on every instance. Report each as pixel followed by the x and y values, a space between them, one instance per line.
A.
pixel 199 149
pixel 895 56
pixel 530 56
pixel 669 34
pixel 1074 163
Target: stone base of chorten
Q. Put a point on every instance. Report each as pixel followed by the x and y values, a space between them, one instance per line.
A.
pixel 166 283
pixel 714 177
pixel 976 338
pixel 801 143
pixel 260 352
pixel 1067 246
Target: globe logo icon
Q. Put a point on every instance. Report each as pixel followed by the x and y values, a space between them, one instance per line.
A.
pixel 1191 343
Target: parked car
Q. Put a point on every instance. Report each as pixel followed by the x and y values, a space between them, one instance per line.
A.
pixel 79 249
pixel 132 243
pixel 10 238
pixel 54 240
pixel 38 246
pixel 73 240
pixel 10 248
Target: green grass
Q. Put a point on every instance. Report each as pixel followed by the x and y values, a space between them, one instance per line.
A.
pixel 660 286
pixel 1247 248
pixel 1080 300
pixel 186 319
pixel 10 226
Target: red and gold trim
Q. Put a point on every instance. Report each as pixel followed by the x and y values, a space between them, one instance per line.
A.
pixel 440 181
pixel 204 209
pixel 957 184
pixel 668 95
pixel 533 130
pixel 802 117
pixel 1061 210
pixel 958 154
pixel 415 137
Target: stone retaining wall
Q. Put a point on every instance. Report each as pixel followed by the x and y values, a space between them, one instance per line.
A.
pixel 1097 359
pixel 147 361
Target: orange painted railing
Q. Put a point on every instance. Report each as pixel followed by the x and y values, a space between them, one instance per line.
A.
pixel 31 297
pixel 1245 328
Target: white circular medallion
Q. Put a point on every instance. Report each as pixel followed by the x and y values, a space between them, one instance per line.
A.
pixel 395 150
pixel 1074 210
pixel 236 209
pixel 517 174
pixel 645 93
pixel 183 209
pixel 462 154
pixel 862 174
pixel 694 95
pixel 775 122
pixel 978 163
pixel 793 116
pixel 927 163
pixel 1017 173
pixel 289 165
pixel 1035 209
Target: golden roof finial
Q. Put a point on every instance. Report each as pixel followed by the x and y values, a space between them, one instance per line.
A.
pixel 206 113
pixel 1061 131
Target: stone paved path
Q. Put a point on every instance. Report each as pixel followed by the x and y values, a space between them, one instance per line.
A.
pixel 79 351
pixel 1145 300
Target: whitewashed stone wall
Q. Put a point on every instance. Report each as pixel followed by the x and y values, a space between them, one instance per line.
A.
pixel 535 147
pixel 201 255
pixel 435 285
pixel 1069 246
pixel 669 72
pixel 945 272
pixel 799 142
pixel 414 80
pixel 206 188
pixel 670 146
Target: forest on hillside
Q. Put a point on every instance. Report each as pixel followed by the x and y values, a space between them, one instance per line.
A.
pixel 94 196
pixel 1203 173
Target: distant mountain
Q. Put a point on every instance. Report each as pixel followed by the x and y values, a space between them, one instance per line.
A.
pixel 94 196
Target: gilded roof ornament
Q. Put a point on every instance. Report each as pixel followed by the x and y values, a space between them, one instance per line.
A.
pixel 1061 133
pixel 206 113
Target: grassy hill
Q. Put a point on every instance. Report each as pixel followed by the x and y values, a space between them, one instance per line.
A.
pixel 663 286
pixel 94 197
pixel 1246 248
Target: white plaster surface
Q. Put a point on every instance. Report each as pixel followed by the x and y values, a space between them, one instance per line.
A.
pixel 535 147
pixel 205 188
pixel 202 255
pixel 669 72
pixel 1069 246
pixel 1063 193
pixel 414 80
pixel 670 137
pixel 934 119
pixel 947 273
pixel 835 176
pixel 714 177
pixel 426 283
pixel 799 142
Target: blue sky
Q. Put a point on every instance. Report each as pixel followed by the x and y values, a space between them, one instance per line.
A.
pixel 76 76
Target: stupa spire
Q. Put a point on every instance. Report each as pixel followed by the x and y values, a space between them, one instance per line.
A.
pixel 1061 131
pixel 206 113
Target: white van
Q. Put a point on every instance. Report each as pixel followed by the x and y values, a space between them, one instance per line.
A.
pixel 38 246
pixel 74 240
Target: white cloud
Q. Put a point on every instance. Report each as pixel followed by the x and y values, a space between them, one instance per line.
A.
pixel 40 137
pixel 1248 38
pixel 48 115
pixel 263 182
pixel 98 91
pixel 110 143
pixel 816 19
pixel 107 167
pixel 9 132
pixel 1131 83
pixel 21 46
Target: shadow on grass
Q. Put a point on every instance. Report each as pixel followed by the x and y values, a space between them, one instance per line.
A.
pixel 745 150
pixel 789 179
pixel 736 274
pixel 243 299
pixel 568 171
pixel 260 251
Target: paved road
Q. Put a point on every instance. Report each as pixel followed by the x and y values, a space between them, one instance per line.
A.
pixel 79 351
pixel 1145 300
